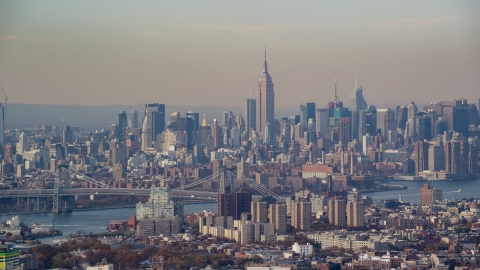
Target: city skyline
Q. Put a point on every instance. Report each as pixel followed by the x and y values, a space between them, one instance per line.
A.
pixel 66 53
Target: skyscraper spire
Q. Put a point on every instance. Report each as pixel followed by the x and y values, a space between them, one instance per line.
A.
pixel 265 69
pixel 356 73
pixel 335 98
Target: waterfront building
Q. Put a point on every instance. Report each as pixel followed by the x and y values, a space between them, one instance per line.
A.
pixel 9 258
pixel 159 205
pixel 430 195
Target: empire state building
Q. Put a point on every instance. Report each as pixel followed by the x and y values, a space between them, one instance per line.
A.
pixel 265 99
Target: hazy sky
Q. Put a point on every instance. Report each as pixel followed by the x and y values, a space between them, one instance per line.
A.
pixel 210 52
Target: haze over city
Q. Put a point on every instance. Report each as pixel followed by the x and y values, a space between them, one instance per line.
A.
pixel 209 53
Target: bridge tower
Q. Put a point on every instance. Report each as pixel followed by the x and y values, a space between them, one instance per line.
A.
pixel 61 204
pixel 226 181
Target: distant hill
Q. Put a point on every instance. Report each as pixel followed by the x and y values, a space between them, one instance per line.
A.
pixel 23 115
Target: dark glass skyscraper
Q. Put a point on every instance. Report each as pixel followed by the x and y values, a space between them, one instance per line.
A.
pixel 122 127
pixel 250 114
pixel 158 119
pixel 196 119
pixel 307 111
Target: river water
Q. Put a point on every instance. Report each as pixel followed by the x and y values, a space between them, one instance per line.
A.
pixel 96 221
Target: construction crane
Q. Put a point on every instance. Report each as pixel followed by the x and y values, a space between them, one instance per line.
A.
pixel 5 115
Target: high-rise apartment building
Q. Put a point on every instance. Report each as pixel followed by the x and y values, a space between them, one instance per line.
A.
pixel 452 158
pixel 259 211
pixel 420 153
pixel 250 108
pixel 429 195
pixel 301 211
pixel 355 213
pixel 436 158
pixel 337 211
pixel 278 216
pixel 265 99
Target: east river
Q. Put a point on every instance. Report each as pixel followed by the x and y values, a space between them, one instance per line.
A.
pixel 96 221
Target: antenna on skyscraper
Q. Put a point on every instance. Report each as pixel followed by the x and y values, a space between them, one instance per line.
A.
pixel 5 116
pixel 265 53
pixel 356 73
pixel 335 99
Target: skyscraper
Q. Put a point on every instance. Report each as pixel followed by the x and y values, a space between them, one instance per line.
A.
pixel 147 127
pixel 2 126
pixel 122 128
pixel 357 101
pixel 420 152
pixel 269 134
pixel 153 124
pixel 67 135
pixel 265 100
pixel 344 131
pixel 385 120
pixel 196 119
pixel 307 111
pixel 250 114
pixel 323 121
pixel 134 119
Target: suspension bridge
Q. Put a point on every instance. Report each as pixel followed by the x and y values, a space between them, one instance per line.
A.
pixel 63 193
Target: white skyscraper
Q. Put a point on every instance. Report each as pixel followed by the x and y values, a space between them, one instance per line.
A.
pixel 357 102
pixel 147 130
pixel 22 145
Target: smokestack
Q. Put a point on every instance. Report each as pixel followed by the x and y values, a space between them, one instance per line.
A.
pixel 341 162
pixel 323 156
